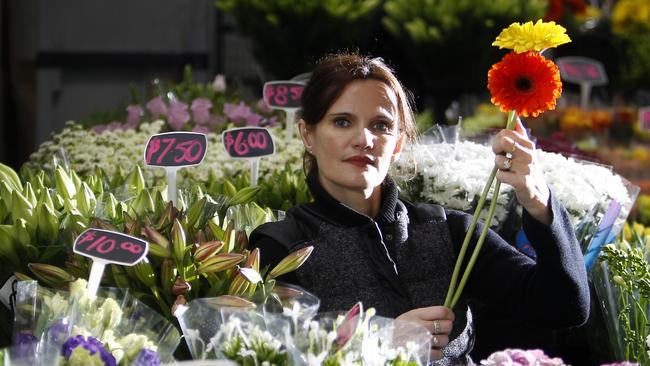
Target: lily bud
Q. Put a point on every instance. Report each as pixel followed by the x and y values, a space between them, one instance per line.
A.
pixel 167 217
pixel 135 180
pixel 95 183
pixel 103 224
pixel 64 184
pixel 178 242
pixel 7 246
pixel 241 241
pixel 230 301
pixel 22 232
pixel 22 277
pixel 86 201
pixel 20 207
pixel 119 277
pixel 167 274
pixel 291 262
pixel 194 213
pixel 47 225
pixel 216 230
pixel 142 203
pixel 50 275
pixel 219 262
pixel 181 286
pixel 253 260
pixel 250 275
pixel 238 286
pixel 45 199
pixel 180 302
pixel 144 273
pixel 75 179
pixel 28 193
pixel 206 250
pixel 158 251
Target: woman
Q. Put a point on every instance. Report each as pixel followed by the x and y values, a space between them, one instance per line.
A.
pixel 398 257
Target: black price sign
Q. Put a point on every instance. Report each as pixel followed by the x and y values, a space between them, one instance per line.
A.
pixel 582 70
pixel 283 94
pixel 176 149
pixel 112 247
pixel 248 142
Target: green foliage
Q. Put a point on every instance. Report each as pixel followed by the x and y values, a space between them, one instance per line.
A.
pixel 289 35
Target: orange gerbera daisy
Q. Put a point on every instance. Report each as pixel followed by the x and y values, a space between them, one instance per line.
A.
pixel 527 83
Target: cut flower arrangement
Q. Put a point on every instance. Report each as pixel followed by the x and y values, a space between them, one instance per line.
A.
pixel 73 328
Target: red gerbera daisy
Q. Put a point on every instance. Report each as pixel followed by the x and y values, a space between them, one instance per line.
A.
pixel 527 83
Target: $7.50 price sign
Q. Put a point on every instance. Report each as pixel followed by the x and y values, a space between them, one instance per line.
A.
pixel 175 149
pixel 111 247
pixel 283 94
pixel 248 142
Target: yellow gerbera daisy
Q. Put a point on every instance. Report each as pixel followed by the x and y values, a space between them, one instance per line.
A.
pixel 532 37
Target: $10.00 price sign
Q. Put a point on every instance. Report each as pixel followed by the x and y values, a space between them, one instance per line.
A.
pixel 176 149
pixel 248 142
pixel 111 247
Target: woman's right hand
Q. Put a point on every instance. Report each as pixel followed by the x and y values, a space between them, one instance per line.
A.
pixel 438 320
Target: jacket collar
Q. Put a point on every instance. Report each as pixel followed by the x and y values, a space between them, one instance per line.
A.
pixel 333 211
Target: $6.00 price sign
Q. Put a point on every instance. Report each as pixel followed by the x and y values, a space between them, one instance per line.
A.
pixel 176 149
pixel 248 142
pixel 111 247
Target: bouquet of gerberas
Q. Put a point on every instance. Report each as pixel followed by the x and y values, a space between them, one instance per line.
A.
pixel 74 328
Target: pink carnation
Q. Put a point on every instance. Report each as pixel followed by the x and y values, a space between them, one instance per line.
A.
pixel 134 113
pixel 236 112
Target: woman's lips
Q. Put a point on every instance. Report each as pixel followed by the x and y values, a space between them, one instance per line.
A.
pixel 360 161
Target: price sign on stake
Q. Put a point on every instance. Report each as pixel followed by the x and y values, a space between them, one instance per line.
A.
pixel 284 95
pixel 583 71
pixel 105 247
pixel 644 118
pixel 249 143
pixel 173 151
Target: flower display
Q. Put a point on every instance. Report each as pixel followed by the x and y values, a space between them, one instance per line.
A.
pixel 526 83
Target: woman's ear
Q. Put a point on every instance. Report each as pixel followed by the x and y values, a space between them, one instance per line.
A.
pixel 305 136
pixel 398 148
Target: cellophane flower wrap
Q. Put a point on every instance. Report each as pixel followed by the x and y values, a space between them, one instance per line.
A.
pixel 622 283
pixel 73 328
pixel 284 331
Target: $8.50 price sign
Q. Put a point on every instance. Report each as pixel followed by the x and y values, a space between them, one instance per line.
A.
pixel 111 247
pixel 175 149
pixel 248 142
pixel 581 70
pixel 283 94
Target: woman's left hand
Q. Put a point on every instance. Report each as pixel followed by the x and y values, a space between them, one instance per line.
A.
pixel 515 158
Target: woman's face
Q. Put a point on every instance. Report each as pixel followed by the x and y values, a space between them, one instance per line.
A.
pixel 357 139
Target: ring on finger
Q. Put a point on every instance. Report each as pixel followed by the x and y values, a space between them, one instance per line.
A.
pixel 436 327
pixel 507 164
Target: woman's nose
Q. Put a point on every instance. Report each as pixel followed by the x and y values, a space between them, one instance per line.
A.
pixel 363 139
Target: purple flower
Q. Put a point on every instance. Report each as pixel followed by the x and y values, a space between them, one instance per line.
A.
pixel 201 110
pixel 271 122
pixel 58 332
pixel 262 107
pixel 134 113
pixel 177 115
pixel 624 363
pixel 219 83
pixel 236 112
pixel 146 357
pixel 157 107
pixel 99 129
pixel 216 120
pixel 91 345
pixel 518 357
pixel 201 129
pixel 253 120
pixel 25 345
pixel 114 125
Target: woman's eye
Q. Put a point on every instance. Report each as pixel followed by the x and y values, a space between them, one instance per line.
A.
pixel 341 122
pixel 382 126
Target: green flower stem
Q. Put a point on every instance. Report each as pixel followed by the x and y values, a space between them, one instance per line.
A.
pixel 452 292
pixel 479 244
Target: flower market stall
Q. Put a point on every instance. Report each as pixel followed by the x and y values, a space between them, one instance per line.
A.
pixel 198 292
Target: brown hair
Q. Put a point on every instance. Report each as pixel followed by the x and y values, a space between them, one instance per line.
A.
pixel 333 74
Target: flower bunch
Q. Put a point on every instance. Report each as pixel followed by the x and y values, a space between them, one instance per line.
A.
pixel 523 83
pixel 519 357
pixel 113 329
pixel 623 285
